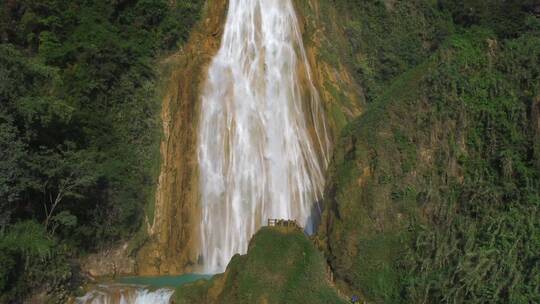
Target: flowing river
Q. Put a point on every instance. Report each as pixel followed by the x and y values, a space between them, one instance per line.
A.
pixel 263 144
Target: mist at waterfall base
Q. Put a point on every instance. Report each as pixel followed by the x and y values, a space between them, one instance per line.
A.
pixel 263 144
pixel 112 294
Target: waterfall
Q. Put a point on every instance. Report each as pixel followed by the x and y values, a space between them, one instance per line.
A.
pixel 262 145
pixel 112 294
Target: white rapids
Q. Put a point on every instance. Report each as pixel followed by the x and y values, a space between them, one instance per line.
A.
pixel 262 145
pixel 112 294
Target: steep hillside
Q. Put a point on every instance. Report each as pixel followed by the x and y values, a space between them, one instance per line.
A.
pixel 433 193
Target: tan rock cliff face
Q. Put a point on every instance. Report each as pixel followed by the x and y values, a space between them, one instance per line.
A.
pixel 111 261
pixel 172 246
pixel 173 232
pixel 325 42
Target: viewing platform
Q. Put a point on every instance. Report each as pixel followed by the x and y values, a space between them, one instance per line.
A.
pixel 289 224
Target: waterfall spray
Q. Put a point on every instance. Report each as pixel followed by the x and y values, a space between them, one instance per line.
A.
pixel 125 295
pixel 263 144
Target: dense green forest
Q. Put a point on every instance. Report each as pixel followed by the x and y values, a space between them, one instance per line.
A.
pixel 79 129
pixel 433 194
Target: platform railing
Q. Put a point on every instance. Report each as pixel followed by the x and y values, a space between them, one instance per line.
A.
pixel 283 223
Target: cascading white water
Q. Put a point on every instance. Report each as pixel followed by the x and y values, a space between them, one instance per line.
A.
pixel 111 294
pixel 263 144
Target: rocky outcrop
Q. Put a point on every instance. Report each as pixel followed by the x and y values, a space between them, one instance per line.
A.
pixel 281 266
pixel 114 261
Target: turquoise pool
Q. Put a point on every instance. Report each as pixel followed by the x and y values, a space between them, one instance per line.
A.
pixel 163 281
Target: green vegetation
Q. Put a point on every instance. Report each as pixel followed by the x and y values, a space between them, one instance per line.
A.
pixel 281 266
pixel 434 192
pixel 483 242
pixel 386 38
pixel 79 129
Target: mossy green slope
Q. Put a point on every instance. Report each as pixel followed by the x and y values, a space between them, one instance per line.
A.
pixel 434 192
pixel 281 266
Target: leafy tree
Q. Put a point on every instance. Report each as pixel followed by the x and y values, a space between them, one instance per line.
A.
pixel 62 174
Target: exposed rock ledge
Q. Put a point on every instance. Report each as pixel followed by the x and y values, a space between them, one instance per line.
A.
pixel 114 261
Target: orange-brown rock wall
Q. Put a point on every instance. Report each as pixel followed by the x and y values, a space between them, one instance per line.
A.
pixel 173 231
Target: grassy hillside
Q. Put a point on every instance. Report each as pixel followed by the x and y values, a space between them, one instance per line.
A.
pixel 281 266
pixel 434 192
